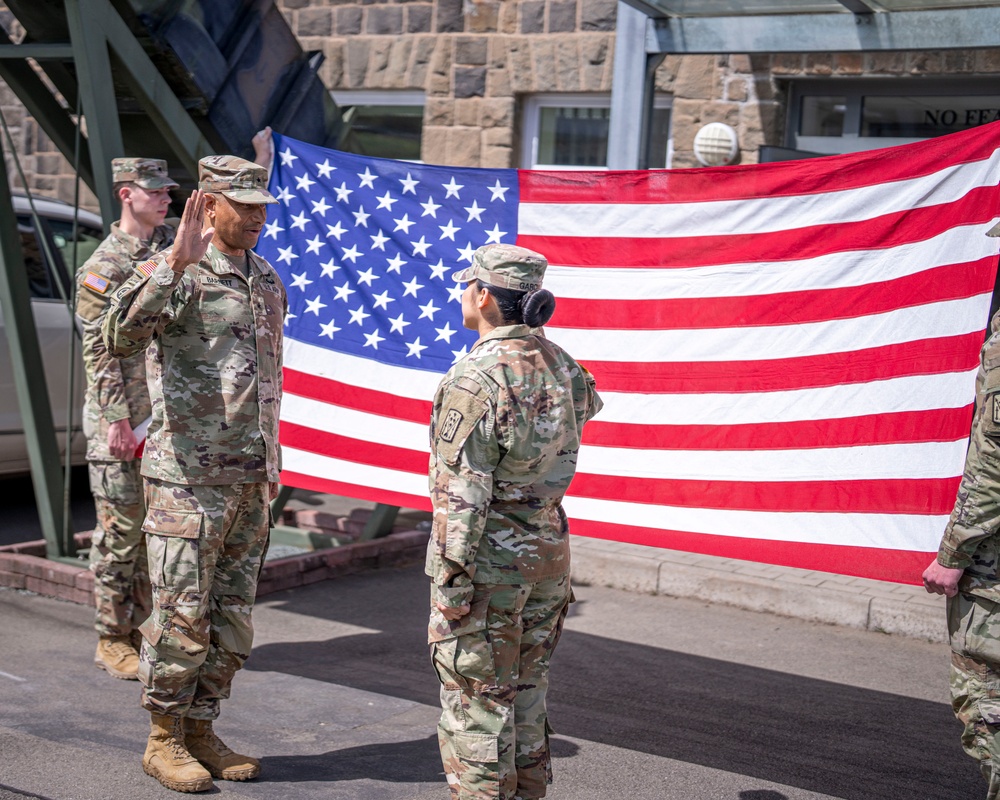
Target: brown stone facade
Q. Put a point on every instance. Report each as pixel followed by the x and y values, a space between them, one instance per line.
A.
pixel 475 61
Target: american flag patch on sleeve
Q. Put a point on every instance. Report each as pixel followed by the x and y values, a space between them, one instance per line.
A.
pixel 146 268
pixel 96 282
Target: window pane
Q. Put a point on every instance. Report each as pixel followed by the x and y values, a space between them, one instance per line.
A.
pixel 87 240
pixel 383 131
pixel 822 116
pixel 34 261
pixel 924 117
pixel 659 138
pixel 573 137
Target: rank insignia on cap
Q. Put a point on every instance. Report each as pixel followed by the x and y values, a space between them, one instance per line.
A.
pixel 146 268
pixel 96 282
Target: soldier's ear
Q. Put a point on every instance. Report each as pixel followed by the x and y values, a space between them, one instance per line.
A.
pixel 483 298
pixel 210 200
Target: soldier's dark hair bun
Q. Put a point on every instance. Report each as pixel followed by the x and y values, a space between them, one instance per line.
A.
pixel 537 307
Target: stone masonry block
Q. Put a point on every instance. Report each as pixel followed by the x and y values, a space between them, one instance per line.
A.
pixel 384 20
pixel 959 61
pixel 434 144
pixel 696 78
pixel 463 147
pixel 470 81
pixel 533 16
pixel 419 18
pixel 562 16
pixel 483 18
pixel 520 66
pixel 848 64
pixel 420 58
pixel 598 15
pixel 737 90
pixel 471 50
pixel 348 20
pixel 398 63
pixel 568 66
pixel 543 57
pixel 467 112
pixel 357 63
pixel 439 111
pixel 314 22
pixel 507 18
pixel 450 17
pixel 819 64
pixel 594 62
pixel 440 77
pixel 892 63
pixel 378 61
pixel 787 64
pixel 497 113
pixel 739 63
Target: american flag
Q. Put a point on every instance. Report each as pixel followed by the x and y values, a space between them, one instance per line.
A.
pixel 787 352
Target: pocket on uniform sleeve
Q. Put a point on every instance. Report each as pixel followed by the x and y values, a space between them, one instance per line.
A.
pixel 172 543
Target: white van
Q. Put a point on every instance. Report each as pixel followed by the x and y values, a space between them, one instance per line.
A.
pixel 54 323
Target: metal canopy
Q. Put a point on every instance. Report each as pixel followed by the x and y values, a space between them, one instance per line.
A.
pixel 648 30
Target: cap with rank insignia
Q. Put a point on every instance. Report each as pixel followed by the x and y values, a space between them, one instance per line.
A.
pixel 236 178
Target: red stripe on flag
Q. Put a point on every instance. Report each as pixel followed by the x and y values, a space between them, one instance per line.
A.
pixel 951 282
pixel 921 357
pixel 890 496
pixel 790 178
pixel 936 425
pixel 356 397
pixel 341 489
pixel 900 566
pixel 358 451
pixel 889 230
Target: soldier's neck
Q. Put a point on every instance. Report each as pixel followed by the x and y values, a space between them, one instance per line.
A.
pixel 130 225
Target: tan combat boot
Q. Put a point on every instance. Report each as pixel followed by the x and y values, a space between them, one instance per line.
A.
pixel 168 760
pixel 215 756
pixel 116 656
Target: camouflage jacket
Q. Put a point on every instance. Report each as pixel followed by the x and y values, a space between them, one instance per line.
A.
pixel 505 433
pixel 116 387
pixel 214 366
pixel 971 541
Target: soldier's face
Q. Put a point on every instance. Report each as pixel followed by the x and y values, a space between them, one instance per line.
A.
pixel 148 206
pixel 237 225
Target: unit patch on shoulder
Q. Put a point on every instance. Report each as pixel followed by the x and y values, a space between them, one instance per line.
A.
pixel 97 283
pixel 146 268
pixel 451 422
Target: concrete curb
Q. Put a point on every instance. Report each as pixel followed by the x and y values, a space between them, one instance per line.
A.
pixel 803 594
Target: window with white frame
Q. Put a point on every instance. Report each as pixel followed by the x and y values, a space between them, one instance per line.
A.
pixel 850 115
pixel 383 124
pixel 570 131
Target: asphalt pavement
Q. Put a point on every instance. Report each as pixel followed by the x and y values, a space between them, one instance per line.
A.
pixel 652 698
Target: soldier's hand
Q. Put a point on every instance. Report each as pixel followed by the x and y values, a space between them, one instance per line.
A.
pixel 121 441
pixel 942 580
pixel 263 148
pixel 453 612
pixel 191 242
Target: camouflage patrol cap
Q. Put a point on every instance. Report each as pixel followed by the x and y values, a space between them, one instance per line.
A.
pixel 149 173
pixel 236 178
pixel 505 266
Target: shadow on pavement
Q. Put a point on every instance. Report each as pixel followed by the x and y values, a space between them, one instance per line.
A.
pixel 820 736
pixel 415 761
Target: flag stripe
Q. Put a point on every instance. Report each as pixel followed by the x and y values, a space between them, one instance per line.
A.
pixel 923 357
pixel 755 216
pixel 790 178
pixel 900 566
pixel 752 278
pixel 935 425
pixel 952 282
pixel 889 230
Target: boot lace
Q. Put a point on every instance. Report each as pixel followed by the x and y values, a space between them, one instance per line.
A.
pixel 176 743
pixel 119 648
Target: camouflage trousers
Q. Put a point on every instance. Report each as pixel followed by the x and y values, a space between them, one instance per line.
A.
pixel 206 548
pixel 494 673
pixel 118 549
pixel 974 628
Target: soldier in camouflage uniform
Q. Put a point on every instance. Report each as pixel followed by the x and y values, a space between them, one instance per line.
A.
pixel 966 571
pixel 505 432
pixel 210 312
pixel 116 403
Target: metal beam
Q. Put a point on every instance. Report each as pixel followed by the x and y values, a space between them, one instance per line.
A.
pixel 97 92
pixel 43 106
pixel 857 6
pixel 932 29
pixel 40 51
pixel 29 379
pixel 631 91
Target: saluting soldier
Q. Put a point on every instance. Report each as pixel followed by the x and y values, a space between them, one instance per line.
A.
pixel 211 312
pixel 116 403
pixel 505 433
